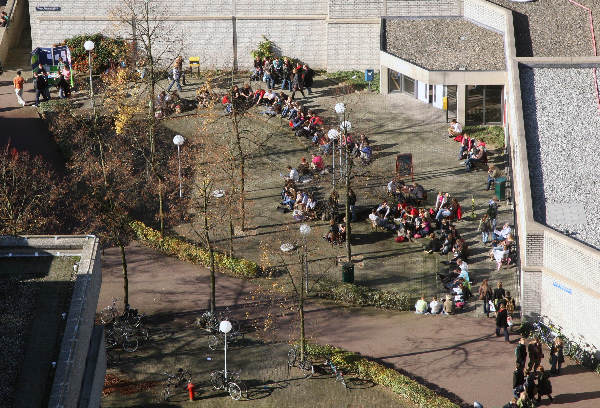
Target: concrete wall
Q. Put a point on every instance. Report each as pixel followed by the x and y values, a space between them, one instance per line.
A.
pixel 327 34
pixel 9 36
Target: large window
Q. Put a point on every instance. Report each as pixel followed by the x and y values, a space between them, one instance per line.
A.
pixel 401 83
pixel 484 104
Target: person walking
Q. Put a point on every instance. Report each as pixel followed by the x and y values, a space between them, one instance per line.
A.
pixel 502 322
pixel 307 77
pixel 498 295
pixel 297 84
pixel 544 385
pixel 485 227
pixel 535 354
pixel 485 294
pixel 557 357
pixel 521 353
pixel 18 82
pixel 176 79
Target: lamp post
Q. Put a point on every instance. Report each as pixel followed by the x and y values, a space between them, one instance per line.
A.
pixel 340 109
pixel 178 141
pixel 345 126
pixel 332 135
pixel 225 327
pixel 89 46
pixel 305 231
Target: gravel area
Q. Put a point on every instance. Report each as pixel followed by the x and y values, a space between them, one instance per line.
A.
pixel 562 124
pixel 445 44
pixel 553 28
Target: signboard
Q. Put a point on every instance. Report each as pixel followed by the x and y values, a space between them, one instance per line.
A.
pixel 562 287
pixel 47 8
pixel 404 165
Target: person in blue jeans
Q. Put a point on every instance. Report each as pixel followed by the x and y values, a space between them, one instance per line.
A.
pixel 176 80
pixel 268 77
pixel 493 174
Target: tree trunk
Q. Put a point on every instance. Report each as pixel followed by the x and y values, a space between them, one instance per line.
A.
pixel 238 140
pixel 211 254
pixel 301 315
pixel 161 214
pixel 348 217
pixel 125 278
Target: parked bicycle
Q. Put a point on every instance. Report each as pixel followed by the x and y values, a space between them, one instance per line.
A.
pixel 232 384
pixel 111 314
pixel 217 341
pixel 180 379
pixel 293 360
pixel 211 321
pixel 334 370
pixel 124 337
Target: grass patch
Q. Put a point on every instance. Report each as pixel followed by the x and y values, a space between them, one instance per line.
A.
pixel 491 135
pixel 354 78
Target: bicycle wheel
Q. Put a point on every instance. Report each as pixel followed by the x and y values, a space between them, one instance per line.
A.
pixel 235 391
pixel 107 315
pixel 217 380
pixel 291 357
pixel 213 342
pixel 130 343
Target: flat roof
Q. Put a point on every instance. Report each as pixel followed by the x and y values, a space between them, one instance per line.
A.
pixel 552 28
pixel 34 292
pixel 445 44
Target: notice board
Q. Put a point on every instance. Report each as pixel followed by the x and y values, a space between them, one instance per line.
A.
pixel 404 165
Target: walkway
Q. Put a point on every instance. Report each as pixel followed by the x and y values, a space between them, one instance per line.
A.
pixel 459 354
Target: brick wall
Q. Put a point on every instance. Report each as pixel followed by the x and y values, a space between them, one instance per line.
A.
pixel 485 13
pixel 352 45
pixel 398 8
pixel 355 8
pixel 531 292
pixel 534 250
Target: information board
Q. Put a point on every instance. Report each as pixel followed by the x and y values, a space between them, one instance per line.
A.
pixel 404 165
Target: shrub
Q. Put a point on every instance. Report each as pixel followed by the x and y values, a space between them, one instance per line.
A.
pixel 491 135
pixel 186 251
pixel 363 296
pixel 264 49
pixel 387 377
pixel 107 51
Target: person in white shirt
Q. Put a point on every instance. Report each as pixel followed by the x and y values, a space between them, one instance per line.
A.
pixel 383 209
pixel 455 128
pixel 435 306
pixel 294 175
pixel 503 233
pixel 421 306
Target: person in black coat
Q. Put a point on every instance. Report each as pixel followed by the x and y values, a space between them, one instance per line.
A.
pixel 530 386
pixel 297 83
pixel 502 322
pixel 518 376
pixel 544 386
pixel 307 78
pixel 521 353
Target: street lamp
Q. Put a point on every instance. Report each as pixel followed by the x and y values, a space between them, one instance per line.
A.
pixel 89 46
pixel 345 127
pixel 305 231
pixel 332 135
pixel 178 141
pixel 225 327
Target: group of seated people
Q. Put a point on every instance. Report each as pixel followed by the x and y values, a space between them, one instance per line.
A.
pixel 168 104
pixel 503 243
pixel 435 306
pixel 472 151
pixel 301 202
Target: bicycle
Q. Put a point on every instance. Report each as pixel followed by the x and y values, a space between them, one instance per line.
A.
pixel 216 341
pixel 110 312
pixel 304 365
pixel 232 384
pixel 124 337
pixel 211 321
pixel 339 376
pixel 173 381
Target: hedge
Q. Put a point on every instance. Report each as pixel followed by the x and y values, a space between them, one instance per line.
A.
pixel 356 295
pixel 186 251
pixel 400 384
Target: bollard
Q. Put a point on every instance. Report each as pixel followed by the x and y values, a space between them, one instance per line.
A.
pixel 190 388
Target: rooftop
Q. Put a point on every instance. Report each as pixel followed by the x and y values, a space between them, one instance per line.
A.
pixel 34 291
pixel 445 44
pixel 562 123
pixel 553 28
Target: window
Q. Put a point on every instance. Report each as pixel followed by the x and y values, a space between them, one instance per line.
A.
pixel 484 104
pixel 400 83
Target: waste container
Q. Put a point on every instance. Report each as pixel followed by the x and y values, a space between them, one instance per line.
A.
pixel 348 272
pixel 500 188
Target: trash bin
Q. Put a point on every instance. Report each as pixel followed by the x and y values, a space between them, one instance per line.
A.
pixel 369 75
pixel 500 188
pixel 348 272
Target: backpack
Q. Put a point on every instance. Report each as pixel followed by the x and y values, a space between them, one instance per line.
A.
pixel 492 211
